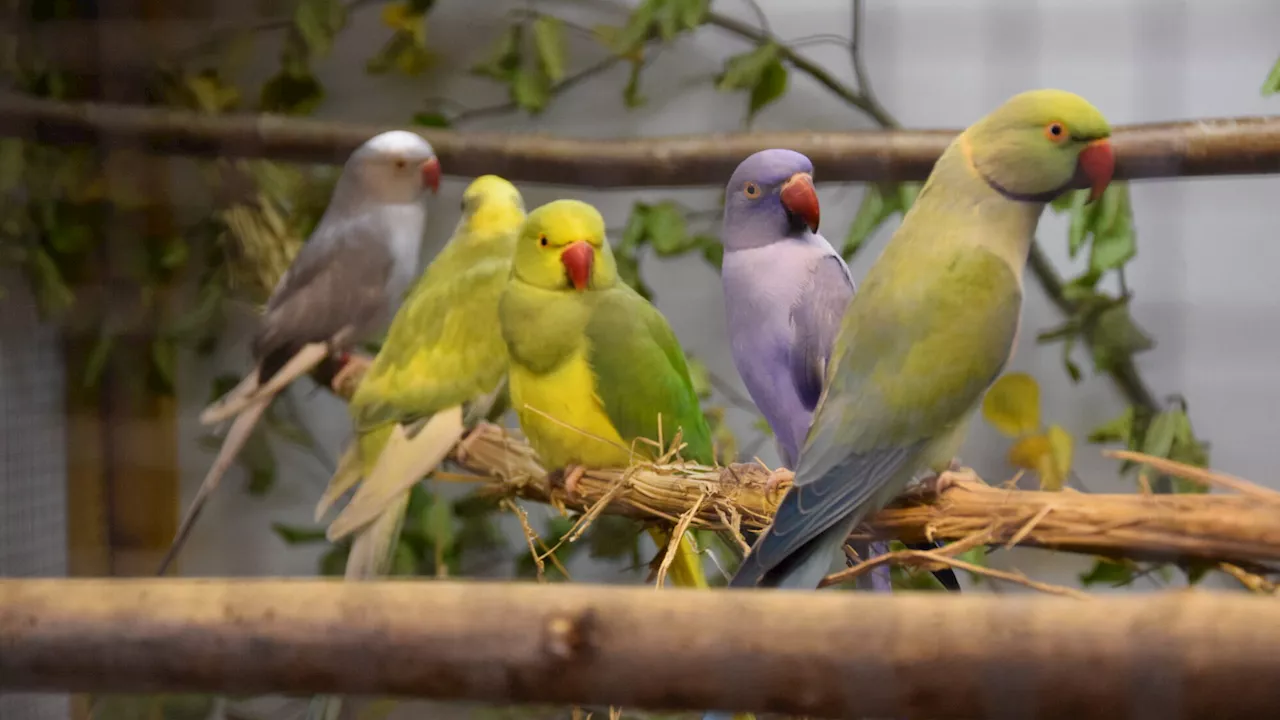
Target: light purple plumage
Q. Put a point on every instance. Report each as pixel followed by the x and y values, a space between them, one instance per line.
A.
pixel 785 291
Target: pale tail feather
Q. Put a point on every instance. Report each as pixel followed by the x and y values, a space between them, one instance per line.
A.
pixel 235 440
pixel 344 478
pixel 402 463
pixel 232 403
pixel 374 546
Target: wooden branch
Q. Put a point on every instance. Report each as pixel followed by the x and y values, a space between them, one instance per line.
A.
pixel 823 654
pixel 1241 528
pixel 1229 146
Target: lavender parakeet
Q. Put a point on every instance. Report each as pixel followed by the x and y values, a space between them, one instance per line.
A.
pixel 785 291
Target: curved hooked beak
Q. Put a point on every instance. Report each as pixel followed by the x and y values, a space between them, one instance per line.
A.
pixel 801 200
pixel 431 174
pixel 577 259
pixel 1097 163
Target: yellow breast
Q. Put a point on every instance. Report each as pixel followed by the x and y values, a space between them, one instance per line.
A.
pixel 563 417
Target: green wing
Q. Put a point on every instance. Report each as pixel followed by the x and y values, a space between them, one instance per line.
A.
pixel 444 346
pixel 913 359
pixel 641 372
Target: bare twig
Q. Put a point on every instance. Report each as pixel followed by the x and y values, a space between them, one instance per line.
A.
pixel 914 556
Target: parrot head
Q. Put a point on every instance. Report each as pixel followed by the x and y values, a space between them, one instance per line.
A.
pixel 769 197
pixel 562 246
pixel 490 205
pixel 393 167
pixel 1041 143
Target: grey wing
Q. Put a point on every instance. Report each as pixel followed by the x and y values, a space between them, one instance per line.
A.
pixel 816 316
pixel 337 281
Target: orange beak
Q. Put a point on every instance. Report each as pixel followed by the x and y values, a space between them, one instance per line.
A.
pixel 431 174
pixel 577 259
pixel 1098 162
pixel 800 199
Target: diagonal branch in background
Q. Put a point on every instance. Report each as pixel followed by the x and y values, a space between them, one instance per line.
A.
pixel 1229 146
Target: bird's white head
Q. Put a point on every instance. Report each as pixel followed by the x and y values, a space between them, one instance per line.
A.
pixel 393 167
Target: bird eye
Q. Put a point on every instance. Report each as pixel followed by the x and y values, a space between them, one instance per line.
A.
pixel 1055 131
pixel 751 190
pixel 400 164
pixel 542 240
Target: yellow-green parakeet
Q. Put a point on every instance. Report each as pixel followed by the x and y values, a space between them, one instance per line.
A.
pixel 444 349
pixel 931 328
pixel 593 364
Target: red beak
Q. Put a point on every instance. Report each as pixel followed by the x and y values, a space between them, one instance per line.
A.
pixel 431 174
pixel 800 199
pixel 1098 162
pixel 577 259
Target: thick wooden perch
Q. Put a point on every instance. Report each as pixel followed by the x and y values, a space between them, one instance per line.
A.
pixel 1242 528
pixel 1226 146
pixel 1186 655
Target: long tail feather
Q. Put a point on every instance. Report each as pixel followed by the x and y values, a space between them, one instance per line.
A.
pixel 235 440
pixel 403 462
pixel 239 400
pixel 344 478
pixel 374 546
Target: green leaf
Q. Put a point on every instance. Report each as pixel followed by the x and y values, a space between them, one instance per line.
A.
pixel 631 39
pixel 879 203
pixel 1118 429
pixel 771 86
pixel 692 13
pixel 317 21
pixel 762 426
pixel 744 71
pixel 52 292
pixel 1115 337
pixel 914 579
pixel 12 163
pixel 631 96
pixel 1161 433
pixel 1081 217
pixel 1271 85
pixel 163 358
pixel 1108 572
pixel 636 231
pixel 629 271
pixel 439 525
pixel 666 229
pixel 259 461
pixel 334 562
pixel 404 562
pixel 1114 241
pixel 712 250
pixel 294 535
pixel 436 120
pixel 613 537
pixel 548 38
pixel 531 88
pixel 504 57
pixel 291 95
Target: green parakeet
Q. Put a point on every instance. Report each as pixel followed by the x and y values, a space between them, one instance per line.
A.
pixel 443 350
pixel 594 366
pixel 932 326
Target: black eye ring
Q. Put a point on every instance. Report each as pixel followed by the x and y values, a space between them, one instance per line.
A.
pixel 542 240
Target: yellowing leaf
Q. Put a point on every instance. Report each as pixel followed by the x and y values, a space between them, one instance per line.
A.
pixel 1012 405
pixel 398 16
pixel 548 38
pixel 1030 451
pixel 1056 466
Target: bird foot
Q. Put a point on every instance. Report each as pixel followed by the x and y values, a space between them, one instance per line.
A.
pixel 353 367
pixel 775 479
pixel 568 478
pixel 939 482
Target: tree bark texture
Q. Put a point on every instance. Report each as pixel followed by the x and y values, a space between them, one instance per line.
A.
pixel 1225 146
pixel 825 654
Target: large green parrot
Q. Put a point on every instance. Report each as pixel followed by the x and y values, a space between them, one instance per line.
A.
pixel 932 326
pixel 444 350
pixel 594 366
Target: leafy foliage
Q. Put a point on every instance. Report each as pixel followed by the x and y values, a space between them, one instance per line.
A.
pixel 880 202
pixel 1271 85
